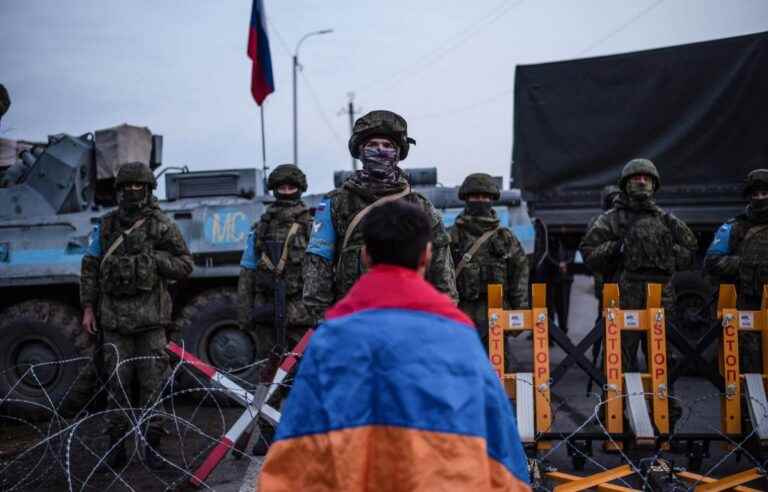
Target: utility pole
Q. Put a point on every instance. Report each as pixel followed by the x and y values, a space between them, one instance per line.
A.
pixel 296 68
pixel 350 110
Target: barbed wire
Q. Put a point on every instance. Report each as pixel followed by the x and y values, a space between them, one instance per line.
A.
pixel 49 443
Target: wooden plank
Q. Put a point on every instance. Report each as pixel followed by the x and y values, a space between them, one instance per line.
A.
pixel 495 296
pixel 541 369
pixel 614 418
pixel 731 481
pixel 731 403
pixel 596 479
pixel 695 477
pixel 603 487
pixel 539 296
pixel 657 365
pixel 496 321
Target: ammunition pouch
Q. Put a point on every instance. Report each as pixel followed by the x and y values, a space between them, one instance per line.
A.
pixel 752 277
pixel 753 264
pixel 128 275
pixel 469 283
pixel 648 246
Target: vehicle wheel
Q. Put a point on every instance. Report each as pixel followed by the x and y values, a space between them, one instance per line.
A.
pixel 45 335
pixel 694 312
pixel 210 330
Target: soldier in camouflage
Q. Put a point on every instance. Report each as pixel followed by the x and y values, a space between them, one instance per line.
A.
pixel 638 243
pixel 607 197
pixel 485 252
pixel 289 222
pixel 739 254
pixel 333 261
pixel 133 254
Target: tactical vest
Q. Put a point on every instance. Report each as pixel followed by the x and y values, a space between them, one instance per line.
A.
pixel 349 263
pixel 648 246
pixel 130 269
pixel 753 265
pixel 488 265
pixel 274 226
pixel 134 298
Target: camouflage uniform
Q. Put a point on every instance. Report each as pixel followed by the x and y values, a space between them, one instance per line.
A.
pixel 607 197
pixel 739 254
pixel 129 291
pixel 330 267
pixel 639 243
pixel 500 259
pixel 256 283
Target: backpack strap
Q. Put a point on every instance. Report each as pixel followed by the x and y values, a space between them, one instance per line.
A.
pixel 361 214
pixel 473 249
pixel 284 255
pixel 120 239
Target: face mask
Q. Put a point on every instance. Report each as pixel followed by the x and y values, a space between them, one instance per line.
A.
pixel 478 209
pixel 380 164
pixel 380 156
pixel 640 191
pixel 132 200
pixel 759 204
pixel 292 197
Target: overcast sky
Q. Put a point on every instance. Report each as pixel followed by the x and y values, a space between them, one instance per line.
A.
pixel 180 68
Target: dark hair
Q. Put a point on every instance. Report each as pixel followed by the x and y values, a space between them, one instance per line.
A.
pixel 396 233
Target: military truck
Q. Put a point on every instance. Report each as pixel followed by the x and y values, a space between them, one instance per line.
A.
pixel 53 195
pixel 698 111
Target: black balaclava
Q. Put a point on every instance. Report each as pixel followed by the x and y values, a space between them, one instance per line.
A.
pixel 131 202
pixel 478 209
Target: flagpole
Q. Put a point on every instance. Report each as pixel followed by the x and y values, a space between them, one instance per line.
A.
pixel 263 144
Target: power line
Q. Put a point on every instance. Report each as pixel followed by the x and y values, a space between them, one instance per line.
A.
pixel 465 108
pixel 498 95
pixel 280 38
pixel 620 28
pixel 438 53
pixel 319 109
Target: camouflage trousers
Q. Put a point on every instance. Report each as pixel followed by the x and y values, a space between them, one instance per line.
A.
pixel 293 335
pixel 148 370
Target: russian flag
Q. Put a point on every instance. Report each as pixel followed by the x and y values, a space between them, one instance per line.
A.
pixel 396 398
pixel 262 84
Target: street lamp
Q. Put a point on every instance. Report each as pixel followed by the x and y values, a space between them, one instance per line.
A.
pixel 295 102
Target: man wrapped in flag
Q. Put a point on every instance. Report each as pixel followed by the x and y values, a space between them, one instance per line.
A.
pixel 395 391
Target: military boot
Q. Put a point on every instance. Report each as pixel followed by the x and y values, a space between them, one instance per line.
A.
pixel 152 456
pixel 267 435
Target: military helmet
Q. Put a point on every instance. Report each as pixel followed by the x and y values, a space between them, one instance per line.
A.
pixel 287 173
pixel 479 183
pixel 607 195
pixel 639 166
pixel 5 100
pixel 380 123
pixel 135 172
pixel 756 179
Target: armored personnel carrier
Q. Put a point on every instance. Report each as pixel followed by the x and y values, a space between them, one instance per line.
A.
pixel 52 196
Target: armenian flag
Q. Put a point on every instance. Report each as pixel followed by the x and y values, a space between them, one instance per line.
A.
pixel 395 392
